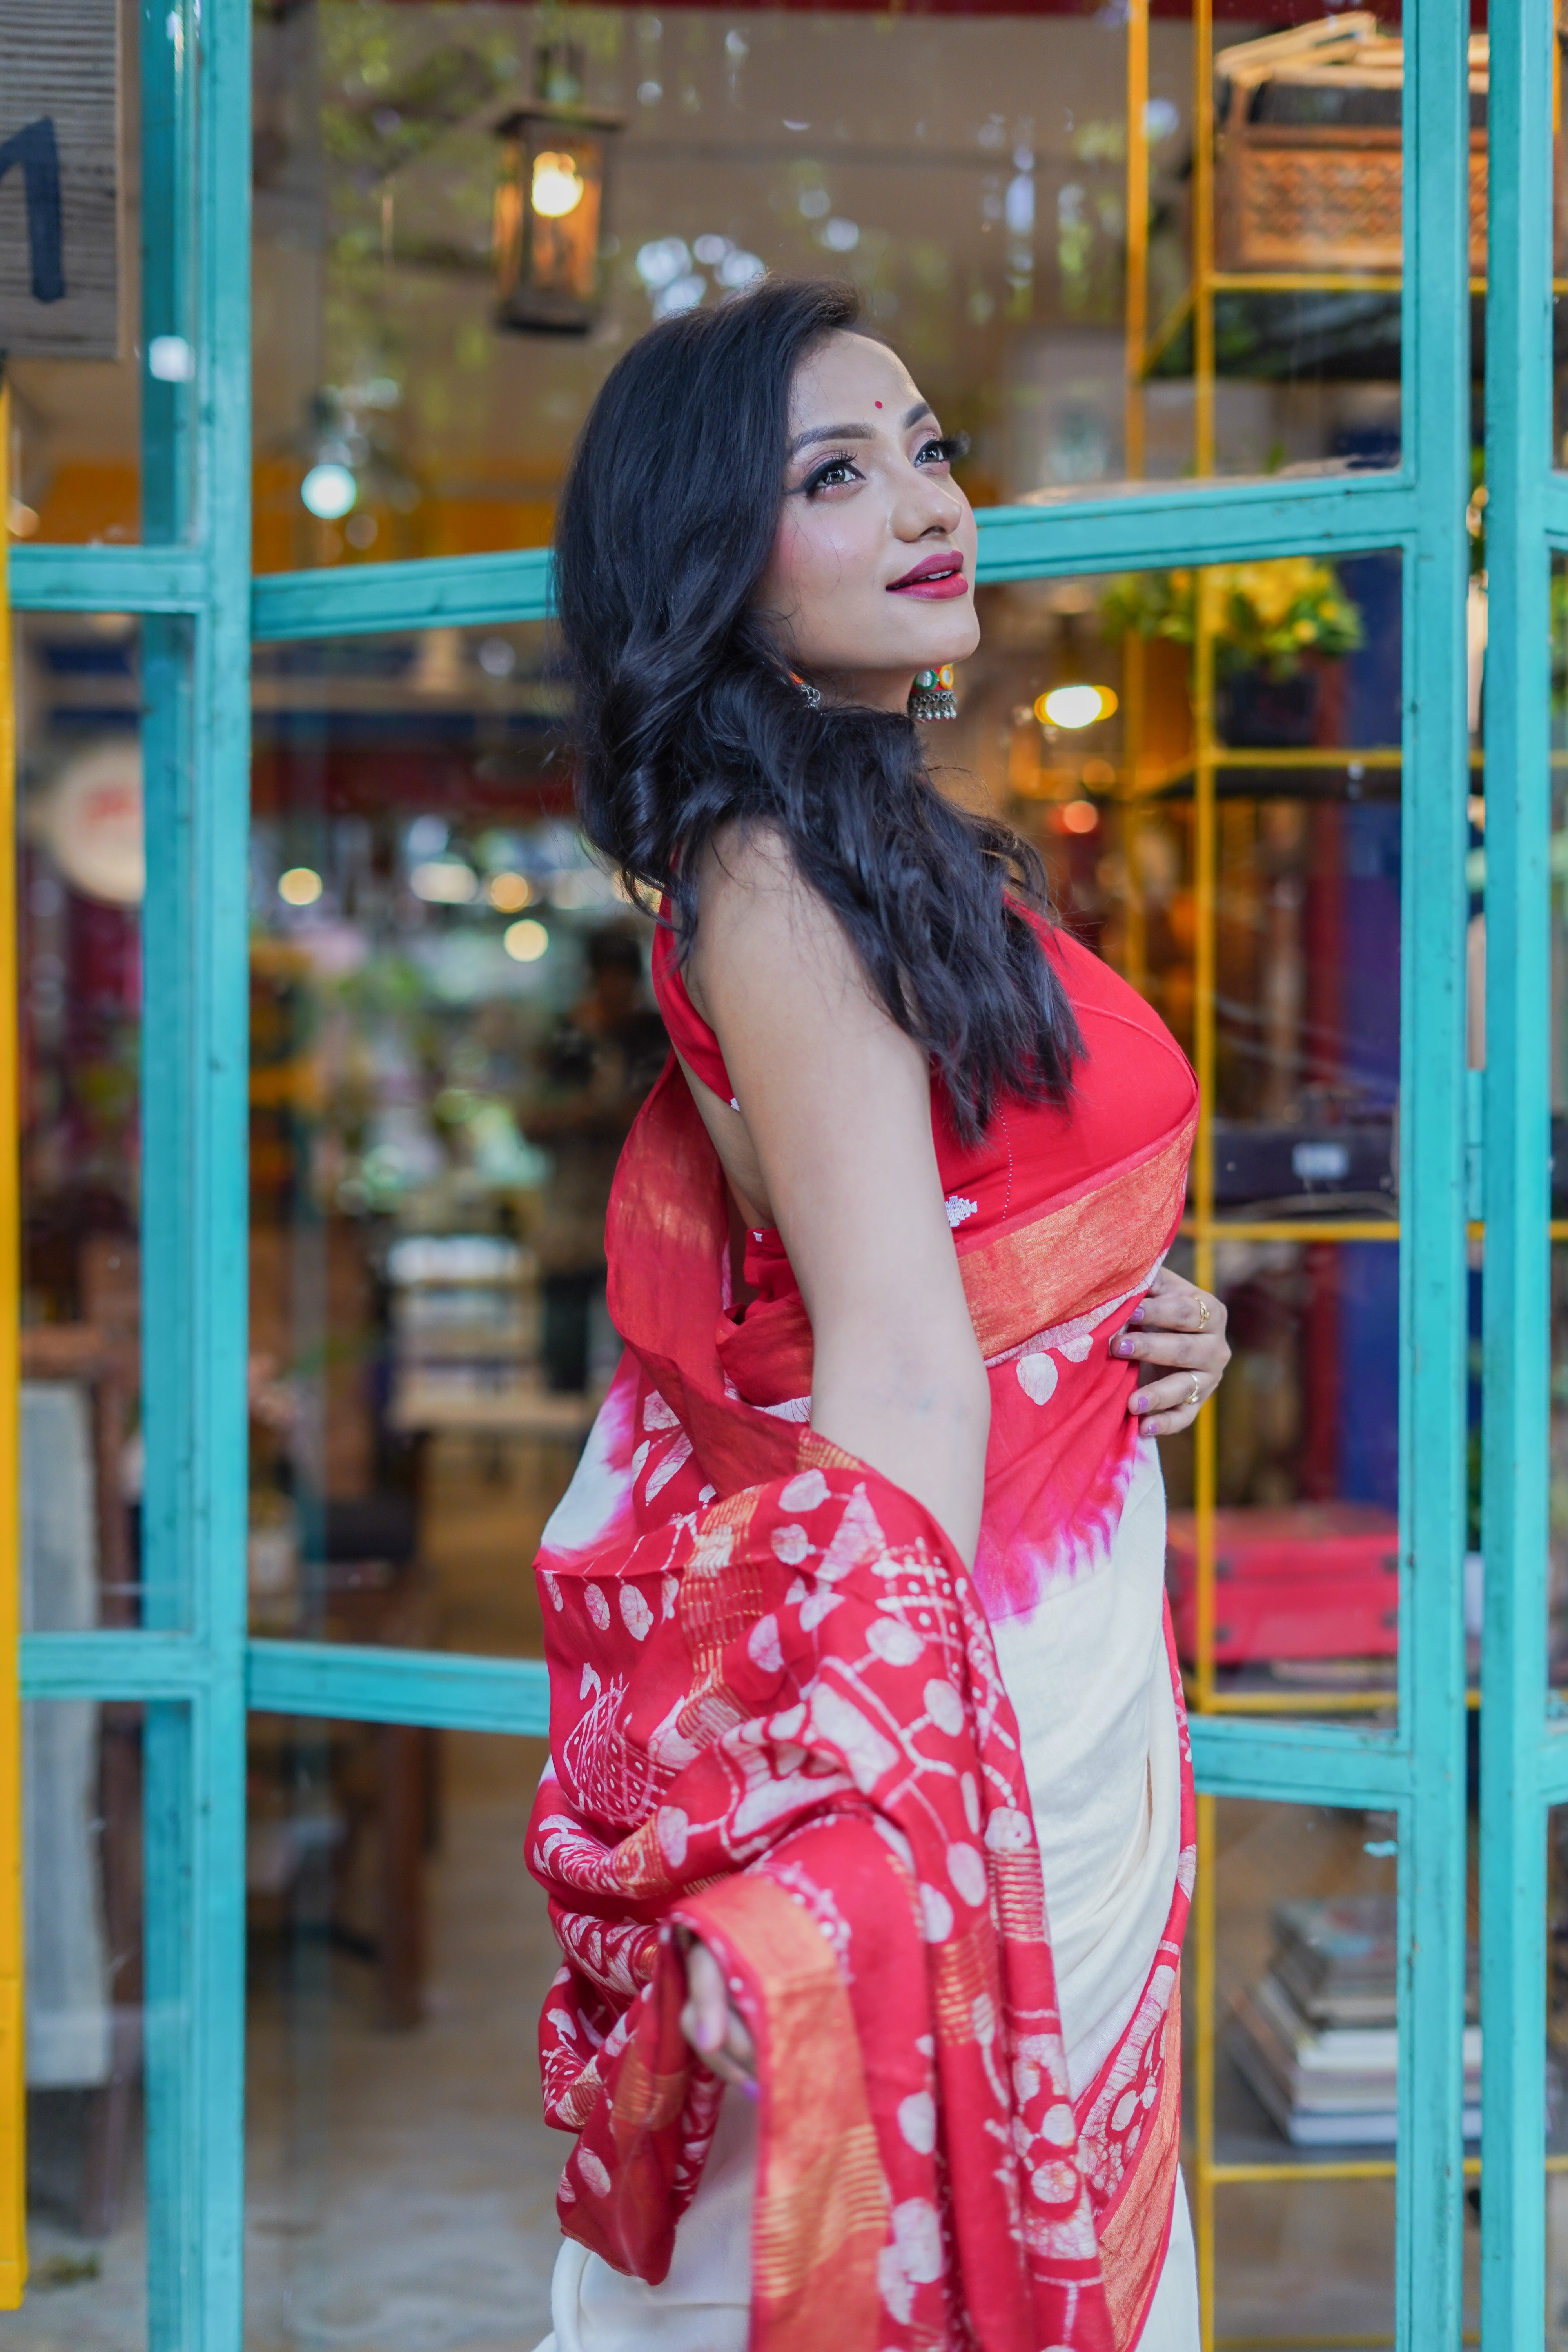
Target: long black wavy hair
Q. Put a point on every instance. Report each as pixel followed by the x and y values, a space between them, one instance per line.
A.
pixel 686 717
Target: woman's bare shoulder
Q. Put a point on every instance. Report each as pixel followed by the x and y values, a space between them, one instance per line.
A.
pixel 768 947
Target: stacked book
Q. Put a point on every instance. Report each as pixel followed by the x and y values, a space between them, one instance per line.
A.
pixel 1317 2040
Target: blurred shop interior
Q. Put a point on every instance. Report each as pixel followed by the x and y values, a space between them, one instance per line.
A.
pixel 463 213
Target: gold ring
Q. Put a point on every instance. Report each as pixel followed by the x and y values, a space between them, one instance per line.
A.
pixel 1203 1310
pixel 1194 1399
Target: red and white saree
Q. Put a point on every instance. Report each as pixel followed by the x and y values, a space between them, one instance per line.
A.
pixel 783 1715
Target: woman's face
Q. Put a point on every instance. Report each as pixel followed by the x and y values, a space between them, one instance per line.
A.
pixel 872 572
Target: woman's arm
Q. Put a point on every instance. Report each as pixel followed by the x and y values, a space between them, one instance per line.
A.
pixel 833 1144
pixel 835 1102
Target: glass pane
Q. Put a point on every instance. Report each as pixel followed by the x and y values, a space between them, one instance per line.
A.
pixel 82 1878
pixel 428 338
pixel 1295 1982
pixel 451 1032
pixel 1558 887
pixel 80 874
pixel 1306 1539
pixel 401 2186
pixel 1557 2078
pixel 1557 196
pixel 109 360
pixel 1234 852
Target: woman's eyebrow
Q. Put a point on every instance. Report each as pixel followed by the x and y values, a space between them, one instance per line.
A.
pixel 855 431
pixel 829 432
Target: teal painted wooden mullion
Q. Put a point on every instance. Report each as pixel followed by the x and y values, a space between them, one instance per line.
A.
pixel 108 579
pixel 113 1665
pixel 1433 1283
pixel 1217 522
pixel 170 1800
pixel 170 1573
pixel 356 1685
pixel 207 1116
pixel 1517 1275
pixel 1224 522
pixel 1311 1763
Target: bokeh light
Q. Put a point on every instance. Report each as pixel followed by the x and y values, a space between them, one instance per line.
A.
pixel 526 941
pixel 1075 706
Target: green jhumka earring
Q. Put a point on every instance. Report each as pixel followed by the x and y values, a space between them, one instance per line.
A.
pixel 931 695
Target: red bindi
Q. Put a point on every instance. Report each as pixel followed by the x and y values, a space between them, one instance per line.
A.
pixel 878 403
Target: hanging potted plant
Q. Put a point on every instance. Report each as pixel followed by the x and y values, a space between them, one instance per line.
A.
pixel 1274 625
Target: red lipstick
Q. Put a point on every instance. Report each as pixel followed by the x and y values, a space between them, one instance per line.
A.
pixel 936 579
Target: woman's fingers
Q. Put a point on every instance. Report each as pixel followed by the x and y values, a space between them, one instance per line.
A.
pixel 711 2024
pixel 1174 1303
pixel 705 2018
pixel 1206 1347
pixel 1175 1324
pixel 1165 1406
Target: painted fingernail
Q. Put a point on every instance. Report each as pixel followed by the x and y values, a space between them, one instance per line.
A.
pixel 1138 1404
pixel 1122 1345
pixel 752 2090
pixel 1136 1316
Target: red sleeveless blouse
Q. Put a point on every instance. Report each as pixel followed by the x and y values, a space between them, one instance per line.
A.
pixel 1131 1088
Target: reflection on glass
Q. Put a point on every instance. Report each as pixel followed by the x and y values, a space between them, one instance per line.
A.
pixel 1288 1982
pixel 82 1883
pixel 1209 764
pixel 1306 1532
pixel 401 2181
pixel 451 1032
pixel 1099 258
pixel 80 878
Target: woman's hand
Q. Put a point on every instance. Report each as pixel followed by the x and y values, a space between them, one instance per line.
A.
pixel 1176 1323
pixel 711 2022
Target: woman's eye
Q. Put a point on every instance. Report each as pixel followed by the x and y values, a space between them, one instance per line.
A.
pixel 830 475
pixel 944 451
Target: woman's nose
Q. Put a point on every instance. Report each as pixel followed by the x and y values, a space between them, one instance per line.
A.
pixel 924 505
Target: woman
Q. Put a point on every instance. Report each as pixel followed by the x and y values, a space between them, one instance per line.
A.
pixel 854 1609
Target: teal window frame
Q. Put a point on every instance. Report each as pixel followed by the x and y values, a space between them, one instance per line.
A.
pixel 192 1664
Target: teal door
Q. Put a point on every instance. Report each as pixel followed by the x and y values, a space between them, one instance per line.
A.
pixel 1379 820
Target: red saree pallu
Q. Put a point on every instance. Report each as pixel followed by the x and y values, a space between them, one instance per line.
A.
pixel 777 1722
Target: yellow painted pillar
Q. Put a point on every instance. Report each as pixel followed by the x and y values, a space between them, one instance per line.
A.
pixel 13 2076
pixel 1137 296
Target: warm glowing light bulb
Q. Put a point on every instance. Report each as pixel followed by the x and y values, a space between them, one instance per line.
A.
pixel 1075 706
pixel 508 891
pixel 557 185
pixel 526 941
pixel 299 886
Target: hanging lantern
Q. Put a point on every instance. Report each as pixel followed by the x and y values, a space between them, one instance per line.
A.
pixel 550 202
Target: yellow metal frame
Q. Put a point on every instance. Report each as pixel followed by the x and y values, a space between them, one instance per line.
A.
pixel 12 2071
pixel 1139 784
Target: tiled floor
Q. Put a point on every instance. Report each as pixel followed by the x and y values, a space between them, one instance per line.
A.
pixel 402 2186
